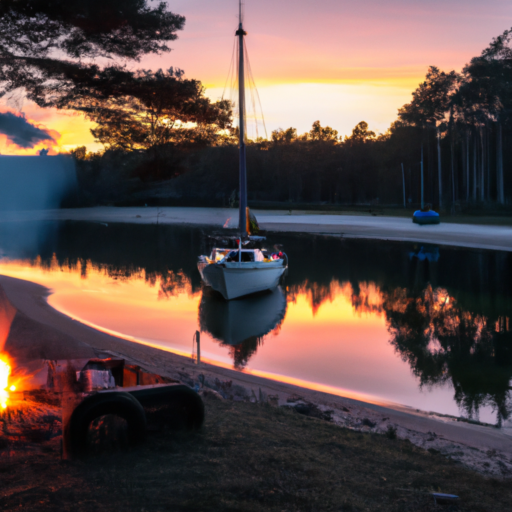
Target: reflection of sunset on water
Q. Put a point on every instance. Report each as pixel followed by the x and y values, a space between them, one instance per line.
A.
pixel 332 338
pixel 371 321
pixel 367 299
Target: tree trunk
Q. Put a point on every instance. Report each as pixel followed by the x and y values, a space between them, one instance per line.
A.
pixel 488 154
pixel 298 189
pixel 403 183
pixel 463 163
pixel 453 172
pixel 467 166
pixel 422 182
pixel 482 167
pixel 474 168
pixel 439 173
pixel 500 196
pixel 430 191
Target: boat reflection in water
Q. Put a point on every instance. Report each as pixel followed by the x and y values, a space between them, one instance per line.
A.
pixel 242 323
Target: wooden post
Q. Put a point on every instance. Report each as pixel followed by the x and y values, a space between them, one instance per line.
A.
pixel 198 341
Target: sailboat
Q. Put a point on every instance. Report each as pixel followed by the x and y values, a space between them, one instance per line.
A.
pixel 245 268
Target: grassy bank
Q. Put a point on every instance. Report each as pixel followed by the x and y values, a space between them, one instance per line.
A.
pixel 252 458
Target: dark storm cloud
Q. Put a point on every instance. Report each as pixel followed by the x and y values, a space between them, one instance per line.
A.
pixel 20 132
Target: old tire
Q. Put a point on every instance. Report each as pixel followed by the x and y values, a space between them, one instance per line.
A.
pixel 177 406
pixel 119 404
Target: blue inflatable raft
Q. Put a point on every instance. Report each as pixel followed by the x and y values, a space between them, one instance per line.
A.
pixel 429 217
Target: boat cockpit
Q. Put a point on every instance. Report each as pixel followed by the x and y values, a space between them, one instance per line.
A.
pixel 222 255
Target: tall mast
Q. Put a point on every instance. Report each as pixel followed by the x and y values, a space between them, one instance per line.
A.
pixel 242 222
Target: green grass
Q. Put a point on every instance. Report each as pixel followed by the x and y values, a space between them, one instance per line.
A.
pixel 250 458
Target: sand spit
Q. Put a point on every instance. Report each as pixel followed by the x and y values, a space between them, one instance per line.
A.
pixel 352 226
pixel 53 335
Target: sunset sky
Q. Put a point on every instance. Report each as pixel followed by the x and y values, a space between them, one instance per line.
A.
pixel 336 61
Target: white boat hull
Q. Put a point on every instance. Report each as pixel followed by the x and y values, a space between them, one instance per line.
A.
pixel 237 280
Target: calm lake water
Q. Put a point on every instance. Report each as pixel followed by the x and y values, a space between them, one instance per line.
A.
pixel 415 324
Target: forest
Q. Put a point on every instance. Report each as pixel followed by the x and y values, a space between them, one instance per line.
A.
pixel 455 136
pixel 165 142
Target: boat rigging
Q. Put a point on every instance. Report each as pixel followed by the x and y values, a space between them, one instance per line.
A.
pixel 246 269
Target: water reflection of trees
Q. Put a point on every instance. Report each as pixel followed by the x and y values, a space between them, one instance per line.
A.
pixel 242 352
pixel 173 284
pixel 316 294
pixel 365 297
pixel 170 283
pixel 443 342
pixel 448 316
pixel 164 257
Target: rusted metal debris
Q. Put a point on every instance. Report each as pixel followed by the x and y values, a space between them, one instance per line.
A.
pixel 46 410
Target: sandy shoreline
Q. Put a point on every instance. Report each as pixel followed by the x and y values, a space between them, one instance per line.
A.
pixel 41 332
pixel 352 226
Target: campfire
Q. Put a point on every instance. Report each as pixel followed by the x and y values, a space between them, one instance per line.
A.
pixel 5 387
pixel 45 402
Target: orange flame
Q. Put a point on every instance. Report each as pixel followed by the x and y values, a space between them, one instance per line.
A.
pixel 5 371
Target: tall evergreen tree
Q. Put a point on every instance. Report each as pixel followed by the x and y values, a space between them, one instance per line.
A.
pixel 429 107
pixel 49 50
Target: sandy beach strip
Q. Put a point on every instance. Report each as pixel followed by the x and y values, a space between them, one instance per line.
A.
pixel 41 332
pixel 352 226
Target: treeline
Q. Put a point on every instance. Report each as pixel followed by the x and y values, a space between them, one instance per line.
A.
pixel 165 141
pixel 362 169
pixel 450 146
